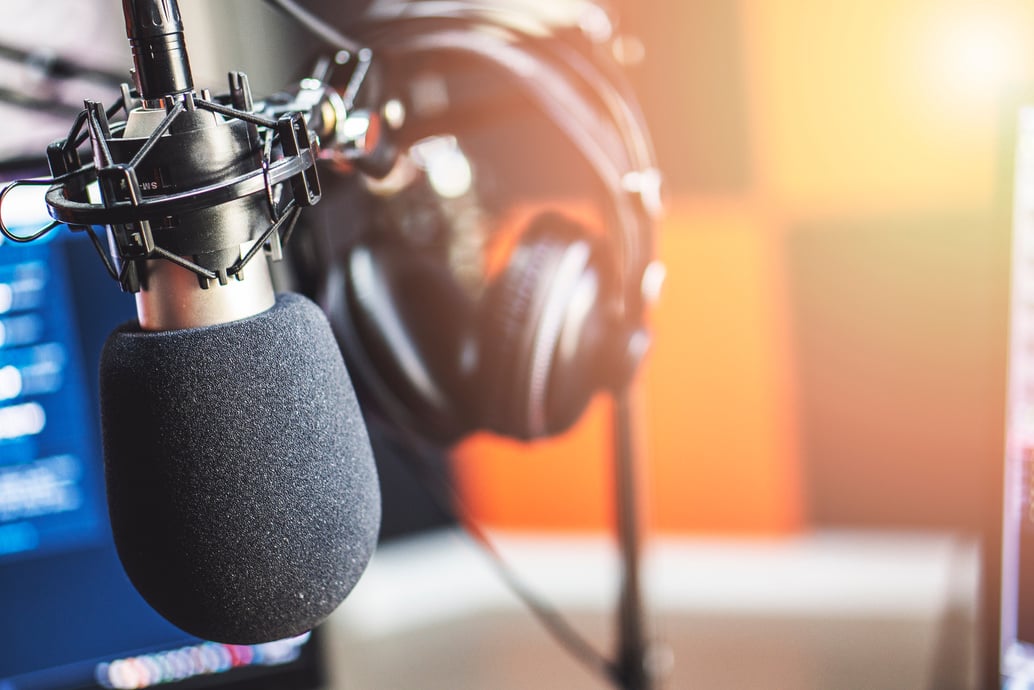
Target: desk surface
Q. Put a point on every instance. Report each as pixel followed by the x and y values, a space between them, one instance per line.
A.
pixel 823 610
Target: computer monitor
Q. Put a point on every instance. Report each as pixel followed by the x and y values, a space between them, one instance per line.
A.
pixel 69 617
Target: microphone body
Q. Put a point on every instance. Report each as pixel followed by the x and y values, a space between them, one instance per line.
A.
pixel 242 489
pixel 199 149
pixel 155 32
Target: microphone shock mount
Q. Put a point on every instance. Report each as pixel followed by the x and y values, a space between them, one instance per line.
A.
pixel 204 163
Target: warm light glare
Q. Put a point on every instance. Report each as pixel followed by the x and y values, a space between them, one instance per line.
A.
pixel 976 54
pixel 448 169
pixel 884 103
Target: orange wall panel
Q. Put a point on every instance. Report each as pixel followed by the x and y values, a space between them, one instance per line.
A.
pixel 716 404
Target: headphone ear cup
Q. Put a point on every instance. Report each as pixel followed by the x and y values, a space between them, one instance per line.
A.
pixel 408 323
pixel 544 332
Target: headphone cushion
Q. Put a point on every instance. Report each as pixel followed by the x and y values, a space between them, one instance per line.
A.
pixel 507 329
pixel 527 386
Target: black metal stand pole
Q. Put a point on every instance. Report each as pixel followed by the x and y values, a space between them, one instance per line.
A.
pixel 633 646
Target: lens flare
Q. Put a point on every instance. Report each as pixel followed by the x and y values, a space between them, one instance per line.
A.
pixel 975 52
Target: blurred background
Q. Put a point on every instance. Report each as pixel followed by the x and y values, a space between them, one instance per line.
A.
pixel 831 341
pixel 845 171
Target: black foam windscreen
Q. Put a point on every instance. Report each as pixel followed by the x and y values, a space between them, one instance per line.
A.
pixel 241 485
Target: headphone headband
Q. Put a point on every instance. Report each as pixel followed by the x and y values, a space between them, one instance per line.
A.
pixel 527 49
pixel 458 316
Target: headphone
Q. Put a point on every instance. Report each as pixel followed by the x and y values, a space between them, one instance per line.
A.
pixel 467 291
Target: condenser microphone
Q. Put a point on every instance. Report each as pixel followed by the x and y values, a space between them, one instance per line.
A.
pixel 241 485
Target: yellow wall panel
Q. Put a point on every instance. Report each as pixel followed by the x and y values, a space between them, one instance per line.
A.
pixel 883 104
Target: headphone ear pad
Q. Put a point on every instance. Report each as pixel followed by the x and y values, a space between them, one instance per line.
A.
pixel 408 325
pixel 543 332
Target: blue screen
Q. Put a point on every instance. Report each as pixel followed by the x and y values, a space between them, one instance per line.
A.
pixel 50 501
pixel 69 618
